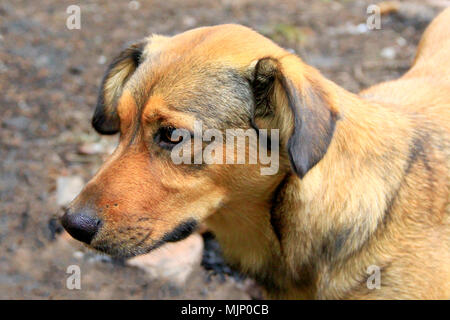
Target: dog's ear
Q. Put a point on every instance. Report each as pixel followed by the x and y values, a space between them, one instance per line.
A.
pixel 301 93
pixel 105 119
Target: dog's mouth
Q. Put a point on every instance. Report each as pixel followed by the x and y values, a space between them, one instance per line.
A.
pixel 123 250
pixel 113 243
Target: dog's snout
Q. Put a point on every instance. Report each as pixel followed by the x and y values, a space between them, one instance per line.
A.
pixel 81 226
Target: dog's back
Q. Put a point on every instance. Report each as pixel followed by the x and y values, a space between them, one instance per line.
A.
pixel 423 93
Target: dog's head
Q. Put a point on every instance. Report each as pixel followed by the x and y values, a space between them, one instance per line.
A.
pixel 224 77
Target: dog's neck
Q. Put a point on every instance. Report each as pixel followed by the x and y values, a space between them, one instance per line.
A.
pixel 321 221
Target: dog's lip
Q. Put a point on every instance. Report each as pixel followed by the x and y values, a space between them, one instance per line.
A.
pixel 117 251
pixel 180 232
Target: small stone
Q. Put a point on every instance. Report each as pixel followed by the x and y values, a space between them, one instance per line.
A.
pixel 401 41
pixel 67 188
pixel 172 262
pixel 78 255
pixel 42 61
pixel 3 67
pixel 388 53
pixel 362 28
pixel 189 21
pixel 23 105
pixel 91 148
pixel 101 60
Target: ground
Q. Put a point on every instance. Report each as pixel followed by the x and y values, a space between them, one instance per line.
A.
pixel 49 78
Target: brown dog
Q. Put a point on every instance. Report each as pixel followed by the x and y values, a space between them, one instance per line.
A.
pixel 363 180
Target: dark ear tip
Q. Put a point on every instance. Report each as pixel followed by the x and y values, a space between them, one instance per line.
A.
pixel 103 125
pixel 105 120
pixel 297 165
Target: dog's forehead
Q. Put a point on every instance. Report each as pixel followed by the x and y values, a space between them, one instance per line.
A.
pixel 214 91
pixel 235 44
pixel 218 95
pixel 202 72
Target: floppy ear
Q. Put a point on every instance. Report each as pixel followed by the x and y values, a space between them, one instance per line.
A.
pixel 106 120
pixel 314 119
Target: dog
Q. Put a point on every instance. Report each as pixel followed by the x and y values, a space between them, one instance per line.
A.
pixel 362 184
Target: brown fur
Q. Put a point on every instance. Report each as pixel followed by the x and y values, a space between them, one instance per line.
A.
pixel 363 179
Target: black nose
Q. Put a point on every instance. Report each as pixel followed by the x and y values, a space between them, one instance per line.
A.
pixel 80 226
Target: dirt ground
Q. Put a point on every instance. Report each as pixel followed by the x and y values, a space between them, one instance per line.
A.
pixel 49 77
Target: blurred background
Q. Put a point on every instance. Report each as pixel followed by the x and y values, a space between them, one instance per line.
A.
pixel 49 78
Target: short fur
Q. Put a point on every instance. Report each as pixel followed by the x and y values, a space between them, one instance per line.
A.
pixel 363 179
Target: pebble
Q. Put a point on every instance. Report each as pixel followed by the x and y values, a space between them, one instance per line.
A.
pixel 101 60
pixel 91 148
pixel 78 255
pixel 401 41
pixel 388 53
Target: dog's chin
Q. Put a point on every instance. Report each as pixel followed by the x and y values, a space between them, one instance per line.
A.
pixel 124 252
pixel 125 248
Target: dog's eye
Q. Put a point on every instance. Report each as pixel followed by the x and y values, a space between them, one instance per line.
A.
pixel 168 135
pixel 166 139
